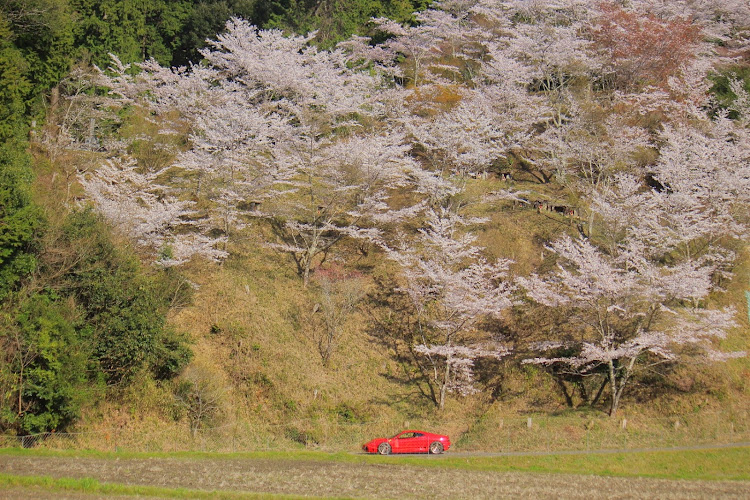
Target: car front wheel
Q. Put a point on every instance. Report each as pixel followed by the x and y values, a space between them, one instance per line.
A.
pixel 436 448
pixel 384 449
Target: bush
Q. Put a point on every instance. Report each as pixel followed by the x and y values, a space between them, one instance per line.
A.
pixel 51 362
pixel 200 395
pixel 124 307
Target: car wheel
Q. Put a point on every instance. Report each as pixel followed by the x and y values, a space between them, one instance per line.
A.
pixel 384 449
pixel 436 448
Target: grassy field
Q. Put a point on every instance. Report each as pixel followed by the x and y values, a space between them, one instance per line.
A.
pixel 708 473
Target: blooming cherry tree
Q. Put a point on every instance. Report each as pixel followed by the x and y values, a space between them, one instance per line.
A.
pixel 643 48
pixel 628 314
pixel 585 152
pixel 338 189
pixel 452 288
pixel 136 204
pixel 705 191
pixel 321 145
pixel 475 134
pixel 639 296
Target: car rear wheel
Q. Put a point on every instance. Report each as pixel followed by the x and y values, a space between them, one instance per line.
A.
pixel 384 449
pixel 436 448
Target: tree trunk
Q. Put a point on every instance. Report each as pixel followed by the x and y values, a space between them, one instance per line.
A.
pixel 615 398
pixel 444 385
pixel 565 391
pixel 615 403
pixel 20 390
pixel 617 389
pixel 306 264
pixel 599 393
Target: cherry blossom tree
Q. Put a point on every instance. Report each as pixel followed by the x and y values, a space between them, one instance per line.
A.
pixel 741 103
pixel 140 207
pixel 452 288
pixel 440 46
pixel 588 150
pixel 629 316
pixel 729 14
pixel 338 189
pixel 643 48
pixel 302 148
pixel 701 196
pixel 638 288
pixel 479 131
pixel 556 54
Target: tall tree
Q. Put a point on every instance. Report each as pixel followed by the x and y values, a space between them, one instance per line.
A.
pixel 20 219
pixel 640 295
pixel 452 288
pixel 43 32
pixel 332 20
pixel 642 48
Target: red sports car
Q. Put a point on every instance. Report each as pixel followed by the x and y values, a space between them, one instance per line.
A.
pixel 409 442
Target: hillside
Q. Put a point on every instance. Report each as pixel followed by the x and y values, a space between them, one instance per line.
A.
pixel 497 219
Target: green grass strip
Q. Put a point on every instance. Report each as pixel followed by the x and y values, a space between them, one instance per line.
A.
pixel 93 487
pixel 711 464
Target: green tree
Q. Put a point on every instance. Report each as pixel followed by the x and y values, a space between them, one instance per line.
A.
pixel 170 31
pixel 204 21
pixel 134 30
pixel 19 218
pixel 42 31
pixel 49 361
pixel 124 306
pixel 335 20
pixel 14 83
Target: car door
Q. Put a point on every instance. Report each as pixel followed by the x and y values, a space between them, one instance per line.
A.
pixel 420 442
pixel 404 443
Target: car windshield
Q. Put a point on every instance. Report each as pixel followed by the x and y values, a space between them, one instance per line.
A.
pixel 404 435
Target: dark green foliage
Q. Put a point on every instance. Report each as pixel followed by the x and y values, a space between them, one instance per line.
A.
pixel 170 31
pixel 205 20
pixel 51 34
pixel 14 84
pixel 721 89
pixel 77 310
pixel 133 30
pixel 35 47
pixel 172 354
pixel 42 31
pixel 20 219
pixel 93 317
pixel 51 364
pixel 335 20
pixel 124 307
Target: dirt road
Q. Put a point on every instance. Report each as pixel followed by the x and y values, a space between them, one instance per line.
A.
pixel 325 479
